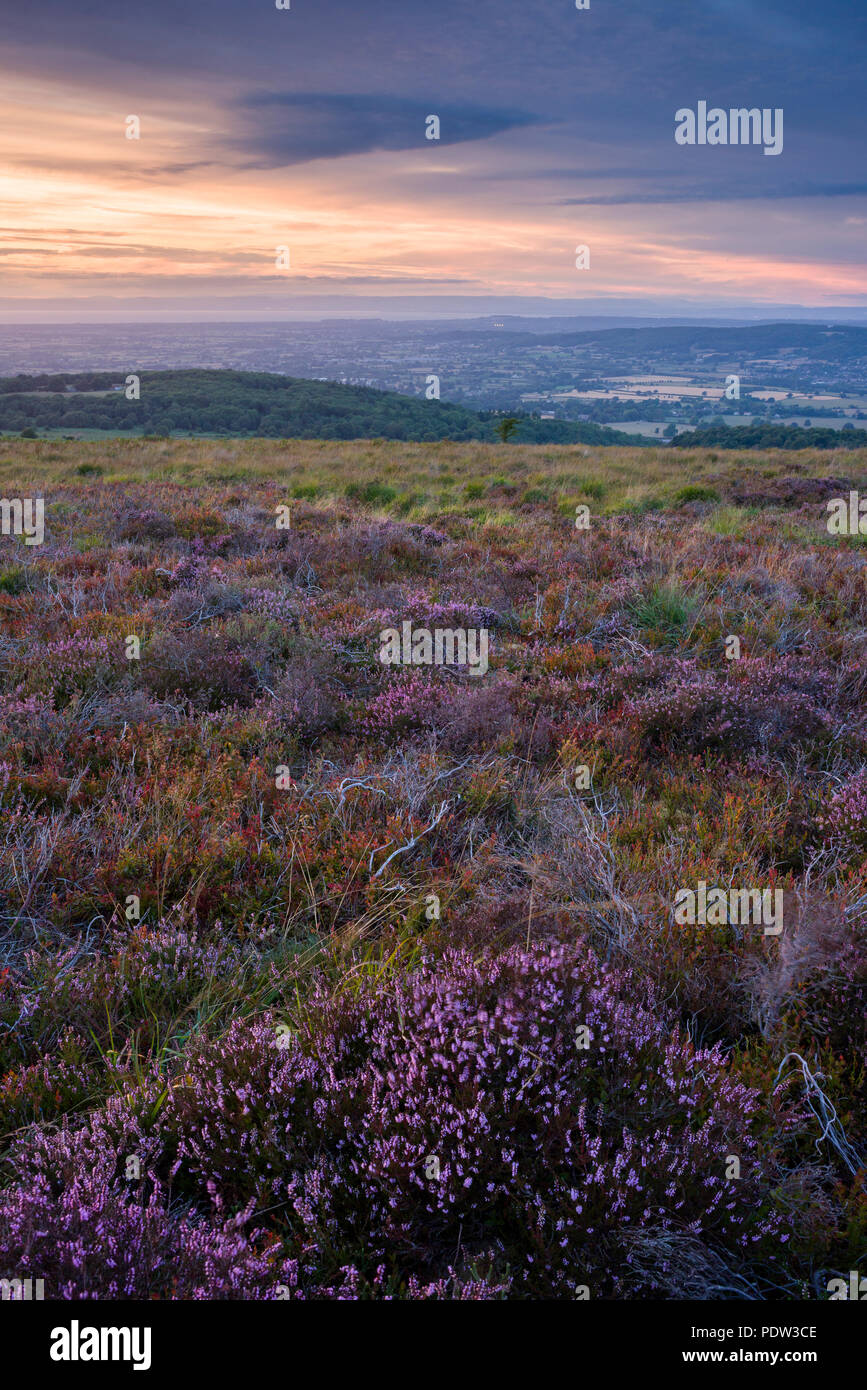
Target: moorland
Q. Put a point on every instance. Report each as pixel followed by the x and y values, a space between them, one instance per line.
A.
pixel 321 978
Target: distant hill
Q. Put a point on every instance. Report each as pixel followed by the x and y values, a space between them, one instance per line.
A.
pixel 770 436
pixel 260 404
pixel 817 342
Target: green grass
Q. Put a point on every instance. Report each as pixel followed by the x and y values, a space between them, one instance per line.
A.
pixel 12 580
pixel 665 609
pixel 731 521
pixel 696 492
pixel 416 479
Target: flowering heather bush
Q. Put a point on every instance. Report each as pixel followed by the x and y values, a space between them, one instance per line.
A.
pixel 429 535
pixel 547 1150
pixel 194 568
pixel 92 1233
pixel 764 703
pixel 302 697
pixel 273 603
pixel 71 666
pixel 845 818
pixel 429 882
pixel 409 700
pixel 147 525
pixel 423 611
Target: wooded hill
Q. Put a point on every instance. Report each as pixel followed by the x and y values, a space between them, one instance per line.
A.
pixel 260 404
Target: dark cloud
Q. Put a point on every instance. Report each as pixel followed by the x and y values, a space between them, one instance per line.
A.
pixel 602 68
pixel 287 128
pixel 591 95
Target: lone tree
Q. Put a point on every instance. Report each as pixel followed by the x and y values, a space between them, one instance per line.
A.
pixel 506 428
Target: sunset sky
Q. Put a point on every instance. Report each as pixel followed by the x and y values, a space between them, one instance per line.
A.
pixel 306 128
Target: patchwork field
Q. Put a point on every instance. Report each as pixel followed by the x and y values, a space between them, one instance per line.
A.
pixel 326 978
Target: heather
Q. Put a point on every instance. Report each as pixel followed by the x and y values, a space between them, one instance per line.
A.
pixel 550 1151
pixel 326 979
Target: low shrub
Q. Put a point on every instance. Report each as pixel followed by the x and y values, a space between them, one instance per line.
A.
pixel 548 1146
pixel 201 667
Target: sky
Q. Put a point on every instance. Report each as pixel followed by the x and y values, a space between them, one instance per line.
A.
pixel 305 128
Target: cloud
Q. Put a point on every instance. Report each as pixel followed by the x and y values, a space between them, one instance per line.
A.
pixel 716 193
pixel 291 128
pixel 261 126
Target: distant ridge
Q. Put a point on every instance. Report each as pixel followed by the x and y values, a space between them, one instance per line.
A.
pixel 831 343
